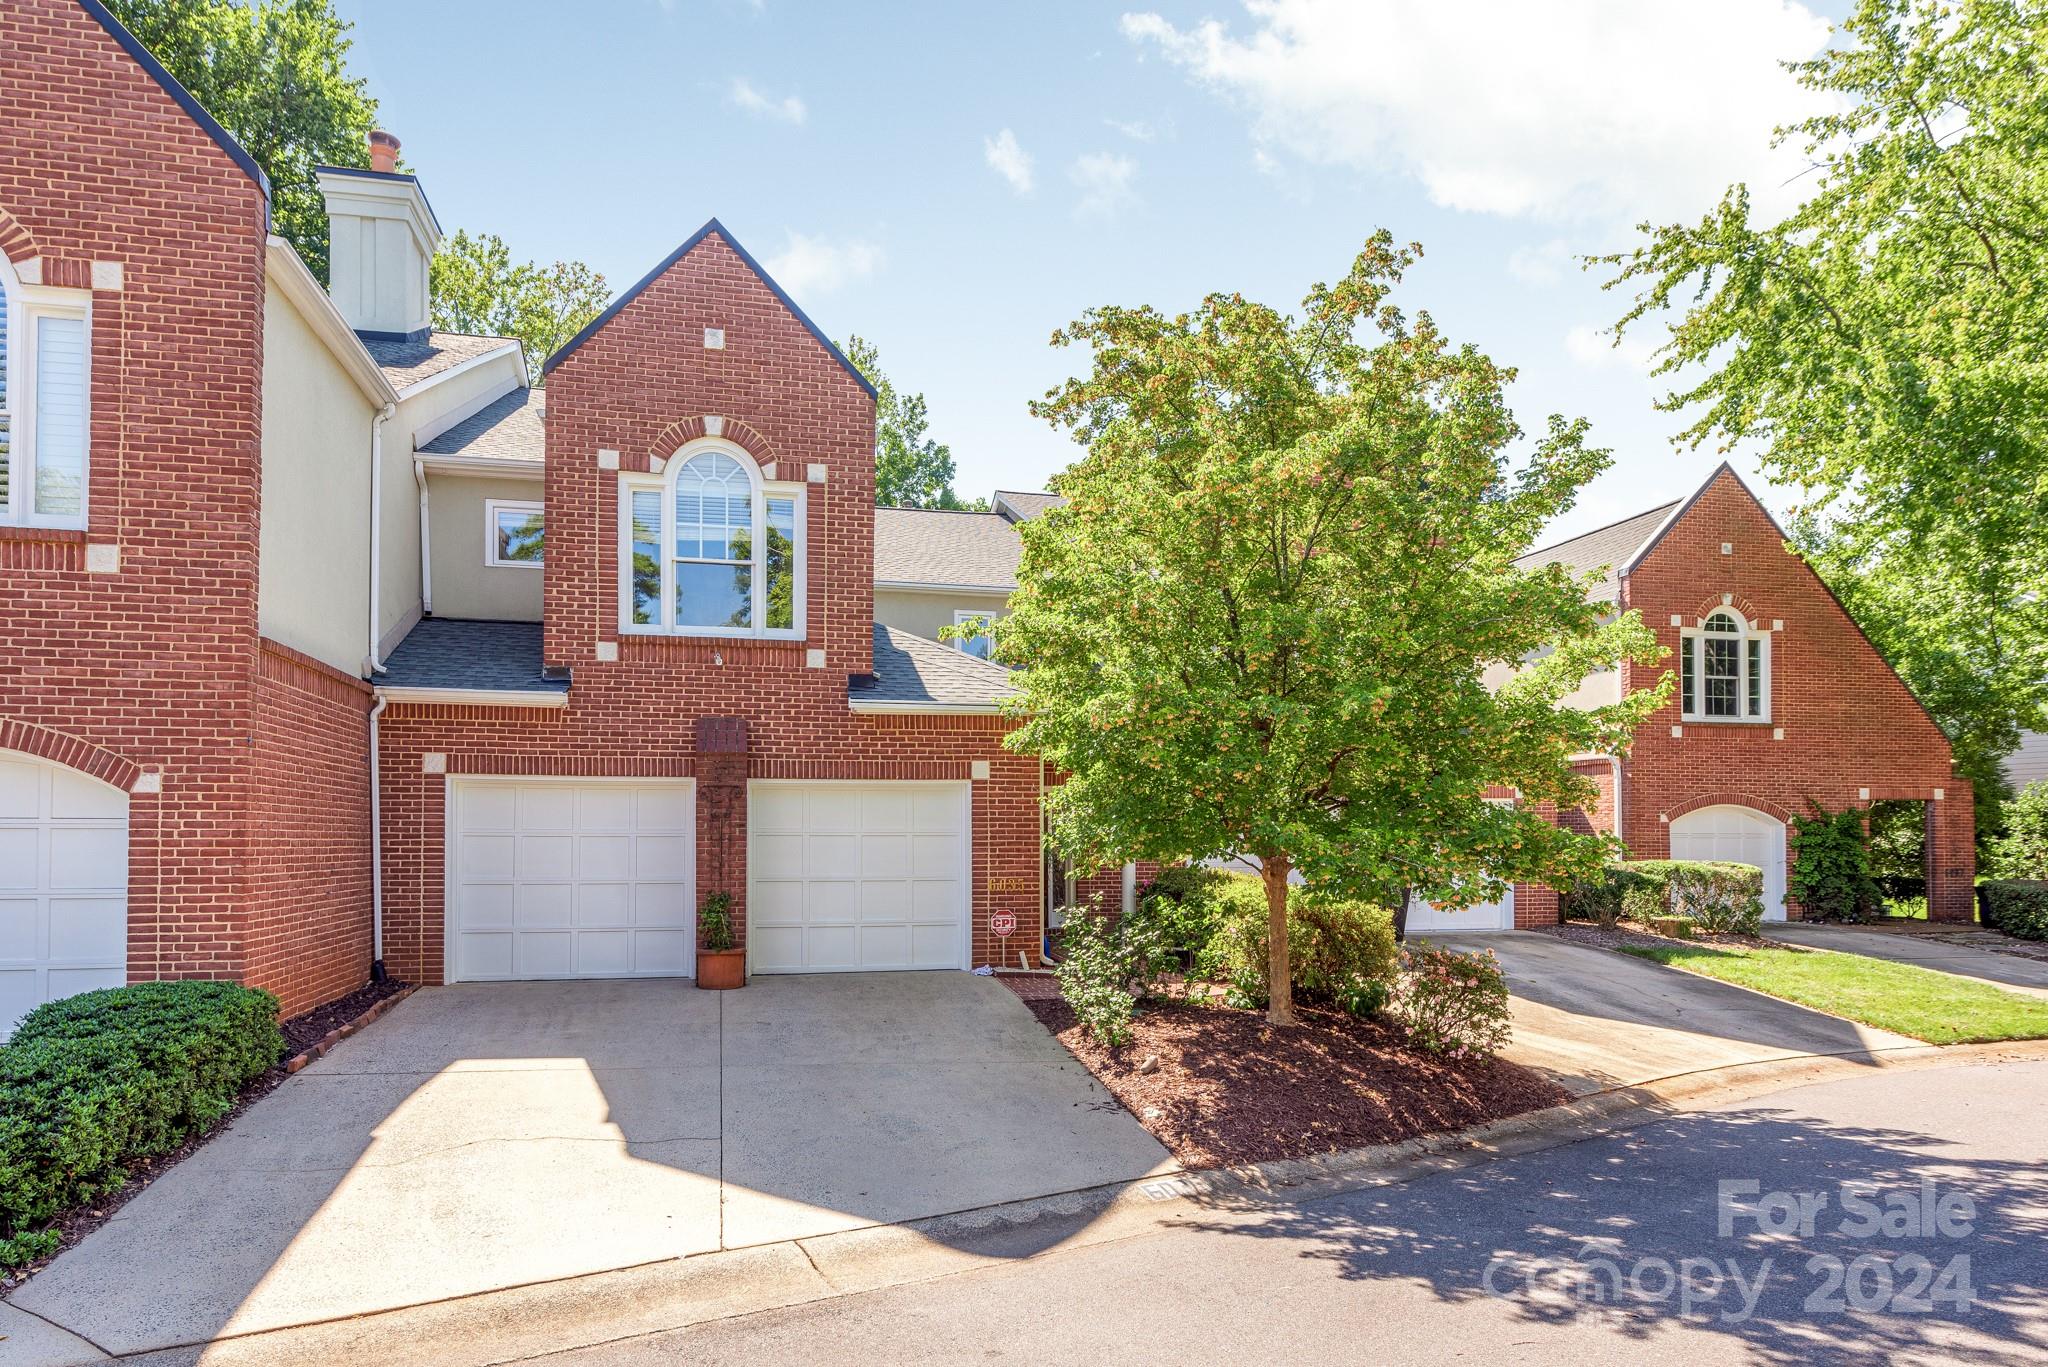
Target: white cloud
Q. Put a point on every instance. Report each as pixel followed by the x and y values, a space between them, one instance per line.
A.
pixel 1137 130
pixel 1574 109
pixel 788 109
pixel 1542 263
pixel 1009 160
pixel 1594 349
pixel 1105 181
pixel 814 265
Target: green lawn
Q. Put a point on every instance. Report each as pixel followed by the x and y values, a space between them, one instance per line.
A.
pixel 1937 1007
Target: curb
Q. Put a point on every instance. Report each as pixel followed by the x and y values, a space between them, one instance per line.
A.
pixel 342 1032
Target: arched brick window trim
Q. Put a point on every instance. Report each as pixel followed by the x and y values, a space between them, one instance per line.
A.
pixel 16 242
pixel 1750 800
pixel 69 751
pixel 679 434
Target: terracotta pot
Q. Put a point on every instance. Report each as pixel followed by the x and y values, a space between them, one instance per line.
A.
pixel 721 969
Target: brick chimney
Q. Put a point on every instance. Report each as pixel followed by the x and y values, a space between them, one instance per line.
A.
pixel 383 152
pixel 381 237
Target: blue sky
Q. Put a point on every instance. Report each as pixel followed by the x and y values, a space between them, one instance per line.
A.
pixel 954 181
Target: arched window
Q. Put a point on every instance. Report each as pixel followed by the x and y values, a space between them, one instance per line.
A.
pixel 44 404
pixel 1725 670
pixel 712 549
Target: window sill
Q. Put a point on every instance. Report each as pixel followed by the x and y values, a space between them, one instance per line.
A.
pixel 74 536
pixel 1725 721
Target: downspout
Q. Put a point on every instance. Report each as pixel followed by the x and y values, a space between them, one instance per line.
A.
pixel 376 525
pixel 419 477
pixel 376 849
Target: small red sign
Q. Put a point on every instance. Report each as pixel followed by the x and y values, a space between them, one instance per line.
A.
pixel 1003 924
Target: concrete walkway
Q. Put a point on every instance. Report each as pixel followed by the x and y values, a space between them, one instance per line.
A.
pixel 2009 971
pixel 1596 1019
pixel 485 1137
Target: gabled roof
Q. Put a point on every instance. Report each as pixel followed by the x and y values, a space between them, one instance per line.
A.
pixel 509 427
pixel 913 674
pixel 207 124
pixel 1610 548
pixel 407 363
pixel 945 549
pixel 713 226
pixel 1019 506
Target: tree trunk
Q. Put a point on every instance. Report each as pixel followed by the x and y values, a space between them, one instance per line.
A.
pixel 1402 899
pixel 1279 981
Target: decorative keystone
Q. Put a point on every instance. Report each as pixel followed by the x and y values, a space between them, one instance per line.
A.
pixel 30 271
pixel 714 426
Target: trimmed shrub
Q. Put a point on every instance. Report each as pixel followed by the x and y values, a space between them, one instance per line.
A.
pixel 1720 898
pixel 1830 873
pixel 1188 904
pixel 1454 1004
pixel 2019 907
pixel 93 1082
pixel 1340 951
pixel 1107 963
pixel 1601 899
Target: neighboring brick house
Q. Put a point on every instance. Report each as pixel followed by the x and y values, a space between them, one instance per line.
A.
pixel 1782 701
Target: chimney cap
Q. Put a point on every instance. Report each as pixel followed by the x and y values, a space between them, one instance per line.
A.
pixel 383 151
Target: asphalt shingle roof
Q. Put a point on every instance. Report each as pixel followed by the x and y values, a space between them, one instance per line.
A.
pixel 911 669
pixel 1605 548
pixel 1029 505
pixel 455 652
pixel 506 428
pixel 407 363
pixel 926 546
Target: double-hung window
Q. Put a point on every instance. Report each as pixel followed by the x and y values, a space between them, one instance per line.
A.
pixel 1725 670
pixel 44 384
pixel 711 549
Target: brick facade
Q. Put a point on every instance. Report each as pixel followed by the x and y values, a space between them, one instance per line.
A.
pixel 1844 731
pixel 155 670
pixel 641 386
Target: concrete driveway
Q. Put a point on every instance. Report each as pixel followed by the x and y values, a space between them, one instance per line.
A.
pixel 2009 971
pixel 1595 1019
pixel 482 1137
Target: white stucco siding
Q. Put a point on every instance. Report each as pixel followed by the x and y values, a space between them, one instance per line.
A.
pixel 314 566
pixel 464 584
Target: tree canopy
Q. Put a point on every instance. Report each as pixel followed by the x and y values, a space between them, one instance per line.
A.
pixel 912 470
pixel 275 74
pixel 1278 614
pixel 1885 346
pixel 478 288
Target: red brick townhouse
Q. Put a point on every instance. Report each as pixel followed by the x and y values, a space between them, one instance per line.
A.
pixel 1782 701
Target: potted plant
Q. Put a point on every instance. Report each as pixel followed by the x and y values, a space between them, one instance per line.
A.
pixel 719 965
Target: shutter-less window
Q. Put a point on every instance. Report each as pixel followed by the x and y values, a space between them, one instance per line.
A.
pixel 1756 677
pixel 60 417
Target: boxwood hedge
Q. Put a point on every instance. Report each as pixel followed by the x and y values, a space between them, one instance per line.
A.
pixel 1719 896
pixel 91 1083
pixel 2017 906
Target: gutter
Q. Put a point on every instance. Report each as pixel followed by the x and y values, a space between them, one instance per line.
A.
pixel 476 697
pixel 376 849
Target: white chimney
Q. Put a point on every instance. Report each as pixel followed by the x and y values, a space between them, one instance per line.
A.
pixel 381 241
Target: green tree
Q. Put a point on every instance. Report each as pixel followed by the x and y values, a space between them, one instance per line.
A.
pixel 1882 345
pixel 1263 622
pixel 275 75
pixel 2021 849
pixel 478 288
pixel 911 469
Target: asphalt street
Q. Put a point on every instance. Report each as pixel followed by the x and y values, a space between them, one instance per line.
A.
pixel 1898 1217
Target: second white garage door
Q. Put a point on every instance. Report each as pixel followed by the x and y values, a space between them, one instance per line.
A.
pixel 578 879
pixel 857 876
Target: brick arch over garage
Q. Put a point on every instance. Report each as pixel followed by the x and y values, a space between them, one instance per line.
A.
pixel 69 751
pixel 679 434
pixel 16 242
pixel 1729 799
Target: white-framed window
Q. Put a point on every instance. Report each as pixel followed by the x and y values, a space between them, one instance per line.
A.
pixel 709 548
pixel 513 533
pixel 1725 670
pixel 45 388
pixel 977 646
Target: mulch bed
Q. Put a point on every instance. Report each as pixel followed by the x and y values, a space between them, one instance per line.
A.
pixel 1225 1088
pixel 1626 935
pixel 301 1033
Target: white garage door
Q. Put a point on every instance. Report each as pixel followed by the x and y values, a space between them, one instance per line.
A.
pixel 857 876
pixel 1423 917
pixel 1737 835
pixel 63 885
pixel 570 879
